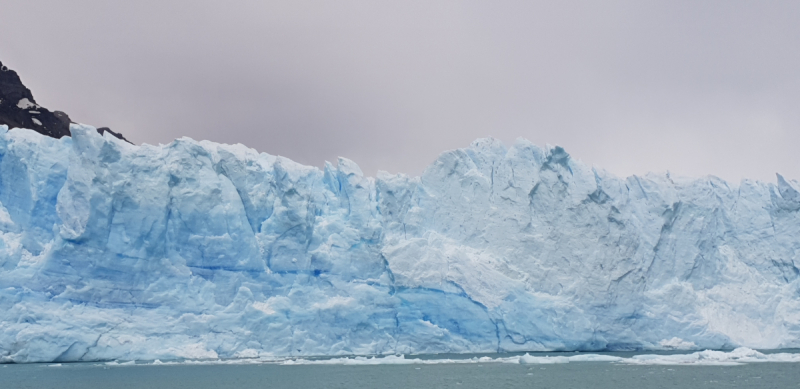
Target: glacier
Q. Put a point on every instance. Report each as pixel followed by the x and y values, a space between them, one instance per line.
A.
pixel 111 251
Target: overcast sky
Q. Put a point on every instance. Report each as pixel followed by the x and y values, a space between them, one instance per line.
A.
pixel 693 87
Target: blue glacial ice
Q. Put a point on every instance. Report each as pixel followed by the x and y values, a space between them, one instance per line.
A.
pixel 202 250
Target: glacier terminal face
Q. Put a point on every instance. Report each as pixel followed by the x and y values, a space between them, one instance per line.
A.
pixel 203 250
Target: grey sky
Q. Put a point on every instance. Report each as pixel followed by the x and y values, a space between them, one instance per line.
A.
pixel 694 87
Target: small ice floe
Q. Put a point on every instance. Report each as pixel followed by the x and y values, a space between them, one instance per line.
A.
pixel 677 344
pixel 117 363
pixel 738 356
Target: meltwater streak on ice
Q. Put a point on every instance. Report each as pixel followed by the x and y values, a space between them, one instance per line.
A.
pixel 200 250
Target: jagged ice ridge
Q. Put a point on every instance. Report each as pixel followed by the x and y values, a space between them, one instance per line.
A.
pixel 202 250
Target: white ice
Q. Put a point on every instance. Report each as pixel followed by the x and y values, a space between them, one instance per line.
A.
pixel 198 250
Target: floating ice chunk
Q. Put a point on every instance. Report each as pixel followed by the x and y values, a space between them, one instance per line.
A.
pixel 127 363
pixel 546 360
pixel 710 357
pixel 677 344
pixel 594 358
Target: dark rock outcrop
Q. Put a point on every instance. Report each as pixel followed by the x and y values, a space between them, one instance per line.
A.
pixel 18 109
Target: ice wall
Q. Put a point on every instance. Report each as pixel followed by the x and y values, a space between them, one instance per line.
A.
pixel 202 250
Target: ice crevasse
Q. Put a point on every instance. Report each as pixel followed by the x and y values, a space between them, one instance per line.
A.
pixel 204 250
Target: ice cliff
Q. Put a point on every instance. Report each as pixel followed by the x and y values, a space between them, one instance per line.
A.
pixel 203 250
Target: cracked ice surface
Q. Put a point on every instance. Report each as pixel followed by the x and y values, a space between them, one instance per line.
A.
pixel 110 251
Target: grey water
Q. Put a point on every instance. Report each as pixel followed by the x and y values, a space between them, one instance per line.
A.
pixel 473 375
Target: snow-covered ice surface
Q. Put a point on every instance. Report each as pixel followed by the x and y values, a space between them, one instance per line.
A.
pixel 197 250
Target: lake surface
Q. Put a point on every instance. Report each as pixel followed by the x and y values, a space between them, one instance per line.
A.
pixel 444 375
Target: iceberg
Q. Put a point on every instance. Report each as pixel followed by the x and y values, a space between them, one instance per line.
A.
pixel 198 250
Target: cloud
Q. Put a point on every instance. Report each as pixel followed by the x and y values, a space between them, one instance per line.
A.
pixel 694 88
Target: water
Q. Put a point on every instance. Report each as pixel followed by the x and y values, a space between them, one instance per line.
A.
pixel 470 375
